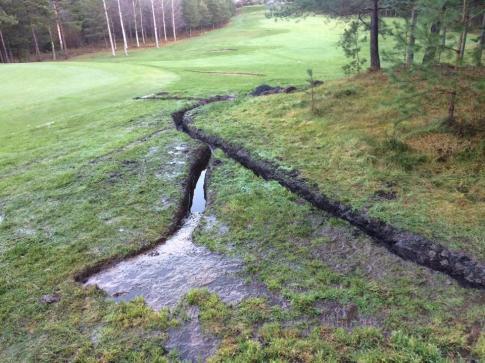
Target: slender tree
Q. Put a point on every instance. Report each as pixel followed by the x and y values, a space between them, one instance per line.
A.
pixel 36 42
pixel 4 47
pixel 155 24
pixel 412 36
pixel 163 21
pixel 464 32
pixel 113 50
pixel 174 28
pixel 125 42
pixel 141 23
pixel 136 24
pixel 375 61
pixel 53 46
pixel 60 31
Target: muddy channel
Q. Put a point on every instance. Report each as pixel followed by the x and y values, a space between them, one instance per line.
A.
pixel 163 275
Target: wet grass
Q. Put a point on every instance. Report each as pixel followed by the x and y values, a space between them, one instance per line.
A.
pixel 92 197
pixel 348 299
pixel 89 174
pixel 418 174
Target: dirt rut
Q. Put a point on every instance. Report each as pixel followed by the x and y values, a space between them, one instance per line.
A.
pixel 408 245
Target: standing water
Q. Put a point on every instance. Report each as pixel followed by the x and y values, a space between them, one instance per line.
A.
pixel 166 273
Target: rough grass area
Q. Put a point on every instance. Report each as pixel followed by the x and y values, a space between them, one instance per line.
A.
pixel 85 191
pixel 419 173
pixel 345 298
pixel 88 174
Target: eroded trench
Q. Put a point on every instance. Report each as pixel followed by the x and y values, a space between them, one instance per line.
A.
pixel 164 274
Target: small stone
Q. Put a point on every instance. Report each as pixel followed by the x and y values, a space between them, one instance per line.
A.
pixel 50 299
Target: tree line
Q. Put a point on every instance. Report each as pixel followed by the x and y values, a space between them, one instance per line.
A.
pixel 31 28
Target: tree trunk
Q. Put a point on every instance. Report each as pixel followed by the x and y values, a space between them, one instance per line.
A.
pixel 464 33
pixel 375 62
pixel 36 43
pixel 163 20
pixel 173 22
pixel 141 23
pixel 430 51
pixel 113 32
pixel 4 47
pixel 113 50
pixel 60 30
pixel 155 25
pixel 481 44
pixel 125 42
pixel 53 46
pixel 136 25
pixel 442 44
pixel 412 37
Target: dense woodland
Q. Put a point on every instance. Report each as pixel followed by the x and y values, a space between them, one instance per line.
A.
pixel 31 28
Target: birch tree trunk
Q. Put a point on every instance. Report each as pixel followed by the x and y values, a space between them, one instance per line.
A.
pixel 163 21
pixel 53 46
pixel 375 62
pixel 141 23
pixel 412 37
pixel 173 22
pixel 4 47
pixel 113 50
pixel 125 42
pixel 464 33
pixel 136 25
pixel 36 43
pixel 155 24
pixel 60 32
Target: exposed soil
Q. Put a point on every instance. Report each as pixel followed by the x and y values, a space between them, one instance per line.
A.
pixel 190 342
pixel 410 246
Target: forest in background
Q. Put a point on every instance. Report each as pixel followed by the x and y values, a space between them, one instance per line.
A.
pixel 29 29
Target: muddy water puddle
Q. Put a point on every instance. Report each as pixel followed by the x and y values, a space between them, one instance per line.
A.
pixel 168 272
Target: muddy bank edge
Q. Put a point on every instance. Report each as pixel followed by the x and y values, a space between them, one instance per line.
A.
pixel 410 246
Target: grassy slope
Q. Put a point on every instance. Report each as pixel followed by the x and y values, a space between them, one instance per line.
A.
pixel 323 268
pixel 438 181
pixel 76 186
